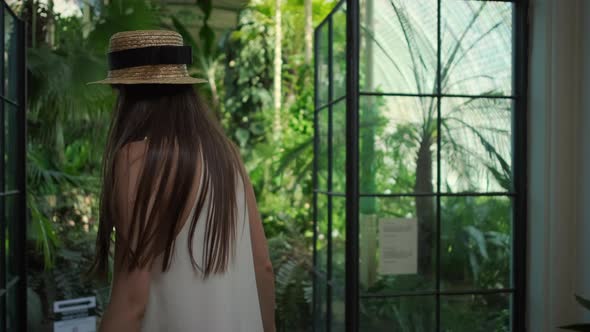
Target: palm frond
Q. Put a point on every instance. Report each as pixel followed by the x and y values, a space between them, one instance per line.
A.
pixel 294 153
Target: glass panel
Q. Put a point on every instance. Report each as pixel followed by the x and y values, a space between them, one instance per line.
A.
pixel 322 152
pixel 320 269
pixel 10 146
pixel 404 314
pixel 397 145
pixel 489 313
pixel 476 242
pixel 322 229
pixel 322 65
pixel 10 260
pixel 476 47
pixel 320 298
pixel 339 52
pixel 378 277
pixel 339 147
pixel 10 54
pixel 398 46
pixel 476 152
pixel 338 262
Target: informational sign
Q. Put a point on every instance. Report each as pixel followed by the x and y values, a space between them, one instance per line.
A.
pixel 76 315
pixel 398 246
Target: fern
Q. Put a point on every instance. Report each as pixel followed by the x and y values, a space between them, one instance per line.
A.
pixel 291 259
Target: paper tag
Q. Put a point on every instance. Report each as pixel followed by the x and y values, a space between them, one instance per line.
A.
pixel 398 246
pixel 86 324
pixel 75 315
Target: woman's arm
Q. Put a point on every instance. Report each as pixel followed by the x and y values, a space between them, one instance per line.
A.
pixel 262 264
pixel 129 295
pixel 129 290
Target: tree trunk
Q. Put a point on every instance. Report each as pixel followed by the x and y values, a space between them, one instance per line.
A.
pixel 425 214
pixel 60 145
pixel 33 24
pixel 277 73
pixel 50 25
pixel 214 91
pixel 86 19
pixel 308 31
pixel 425 211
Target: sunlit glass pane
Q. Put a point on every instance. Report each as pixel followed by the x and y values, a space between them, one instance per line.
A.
pixel 476 47
pixel 398 46
pixel 476 150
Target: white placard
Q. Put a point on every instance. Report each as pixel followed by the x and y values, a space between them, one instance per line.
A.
pixel 75 315
pixel 85 324
pixel 73 305
pixel 398 246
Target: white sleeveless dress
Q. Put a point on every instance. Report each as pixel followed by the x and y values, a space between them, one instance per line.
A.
pixel 180 300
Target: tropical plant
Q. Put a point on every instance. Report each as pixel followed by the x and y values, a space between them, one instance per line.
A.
pixel 583 327
pixel 280 170
pixel 472 147
pixel 291 260
pixel 474 136
pixel 207 57
pixel 66 122
pixel 62 108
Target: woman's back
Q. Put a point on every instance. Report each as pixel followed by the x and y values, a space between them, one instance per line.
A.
pixel 181 299
pixel 190 252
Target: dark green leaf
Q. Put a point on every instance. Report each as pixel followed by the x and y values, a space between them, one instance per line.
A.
pixel 577 327
pixel 292 154
pixel 583 302
pixel 208 37
pixel 206 6
pixel 186 35
pixel 479 238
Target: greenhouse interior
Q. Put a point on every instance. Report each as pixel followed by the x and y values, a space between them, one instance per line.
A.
pixel 418 165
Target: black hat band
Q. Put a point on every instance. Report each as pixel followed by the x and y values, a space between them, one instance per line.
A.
pixel 151 55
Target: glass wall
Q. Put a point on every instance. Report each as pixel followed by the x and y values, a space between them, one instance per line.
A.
pixel 12 169
pixel 439 147
pixel 329 174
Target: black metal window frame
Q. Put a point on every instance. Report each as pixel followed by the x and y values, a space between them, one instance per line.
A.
pixel 19 192
pixel 353 194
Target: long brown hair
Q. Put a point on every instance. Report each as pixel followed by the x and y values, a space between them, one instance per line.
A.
pixel 180 127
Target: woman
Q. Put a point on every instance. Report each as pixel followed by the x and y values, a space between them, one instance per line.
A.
pixel 189 252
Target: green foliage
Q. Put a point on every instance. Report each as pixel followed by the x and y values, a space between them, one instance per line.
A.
pixel 67 126
pixel 206 56
pixel 67 120
pixel 247 80
pixel 120 15
pixel 398 142
pixel 280 171
pixel 292 265
pixel 67 123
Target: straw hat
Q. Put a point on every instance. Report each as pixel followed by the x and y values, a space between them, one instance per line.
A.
pixel 148 56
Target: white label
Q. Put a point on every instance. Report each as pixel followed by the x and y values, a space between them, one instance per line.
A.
pixel 74 304
pixel 398 246
pixel 86 324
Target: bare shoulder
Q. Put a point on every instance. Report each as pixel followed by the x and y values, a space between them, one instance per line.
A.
pixel 129 161
pixel 130 158
pixel 133 152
